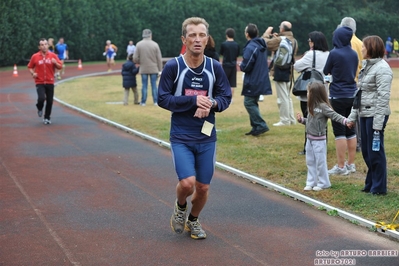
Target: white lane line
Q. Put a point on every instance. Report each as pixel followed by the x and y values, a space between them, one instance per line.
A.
pixel 295 195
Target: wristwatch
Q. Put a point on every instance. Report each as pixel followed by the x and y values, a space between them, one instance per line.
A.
pixel 213 102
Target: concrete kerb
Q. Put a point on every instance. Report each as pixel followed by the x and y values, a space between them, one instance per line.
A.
pixel 295 195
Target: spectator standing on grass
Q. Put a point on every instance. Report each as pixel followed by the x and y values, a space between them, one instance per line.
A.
pixel 282 76
pixel 193 87
pixel 149 56
pixel 256 78
pixel 61 49
pixel 375 80
pixel 110 53
pixel 230 50
pixel 316 123
pixel 129 72
pixel 356 45
pixel 317 44
pixel 210 49
pixel 130 49
pixel 342 64
pixel 42 66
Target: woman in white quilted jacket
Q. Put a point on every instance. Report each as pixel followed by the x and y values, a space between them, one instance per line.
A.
pixel 375 81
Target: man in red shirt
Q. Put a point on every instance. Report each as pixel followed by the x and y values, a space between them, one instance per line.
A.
pixel 42 66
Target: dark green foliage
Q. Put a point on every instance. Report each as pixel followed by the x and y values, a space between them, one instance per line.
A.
pixel 86 25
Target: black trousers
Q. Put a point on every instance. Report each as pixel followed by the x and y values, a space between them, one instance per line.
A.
pixel 304 109
pixel 45 92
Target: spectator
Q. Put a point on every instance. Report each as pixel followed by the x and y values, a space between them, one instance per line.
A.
pixel 110 53
pixel 51 47
pixel 129 72
pixel 342 64
pixel 130 49
pixel 230 50
pixel 317 43
pixel 193 88
pixel 210 49
pixel 388 47
pixel 61 49
pixel 316 123
pixel 282 77
pixel 356 45
pixel 256 78
pixel 375 80
pixel 42 66
pixel 148 55
pixel 396 47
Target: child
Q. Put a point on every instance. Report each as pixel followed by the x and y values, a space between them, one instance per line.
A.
pixel 319 110
pixel 129 72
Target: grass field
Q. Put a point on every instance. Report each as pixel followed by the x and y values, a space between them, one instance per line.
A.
pixel 272 156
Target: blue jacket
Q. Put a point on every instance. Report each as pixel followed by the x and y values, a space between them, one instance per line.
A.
pixel 254 65
pixel 342 64
pixel 129 72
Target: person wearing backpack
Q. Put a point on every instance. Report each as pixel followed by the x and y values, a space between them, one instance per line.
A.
pixel 285 46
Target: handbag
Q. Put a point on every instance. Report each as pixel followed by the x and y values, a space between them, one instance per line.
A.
pixel 357 99
pixel 306 77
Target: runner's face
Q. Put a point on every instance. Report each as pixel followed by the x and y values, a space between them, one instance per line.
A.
pixel 196 38
pixel 43 46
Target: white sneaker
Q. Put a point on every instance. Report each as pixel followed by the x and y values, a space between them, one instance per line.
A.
pixel 142 104
pixel 350 167
pixel 317 188
pixel 279 124
pixel 338 171
pixel 307 188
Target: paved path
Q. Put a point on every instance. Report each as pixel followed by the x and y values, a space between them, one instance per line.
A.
pixel 79 192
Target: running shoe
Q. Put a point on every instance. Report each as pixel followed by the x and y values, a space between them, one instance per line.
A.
pixel 195 229
pixel 178 219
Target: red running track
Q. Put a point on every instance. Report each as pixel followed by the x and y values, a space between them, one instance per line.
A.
pixel 79 192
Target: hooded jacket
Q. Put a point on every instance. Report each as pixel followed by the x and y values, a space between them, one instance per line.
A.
pixel 342 64
pixel 129 72
pixel 44 67
pixel 254 65
pixel 316 125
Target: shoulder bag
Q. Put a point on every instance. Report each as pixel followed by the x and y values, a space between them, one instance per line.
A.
pixel 306 77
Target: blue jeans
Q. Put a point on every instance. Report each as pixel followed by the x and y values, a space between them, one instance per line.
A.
pixel 251 104
pixel 144 81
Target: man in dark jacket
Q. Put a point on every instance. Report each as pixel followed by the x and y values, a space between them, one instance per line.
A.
pixel 256 78
pixel 282 77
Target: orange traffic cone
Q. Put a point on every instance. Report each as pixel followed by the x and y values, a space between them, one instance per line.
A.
pixel 15 73
pixel 80 65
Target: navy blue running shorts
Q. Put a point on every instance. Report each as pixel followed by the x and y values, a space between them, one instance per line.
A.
pixel 194 159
